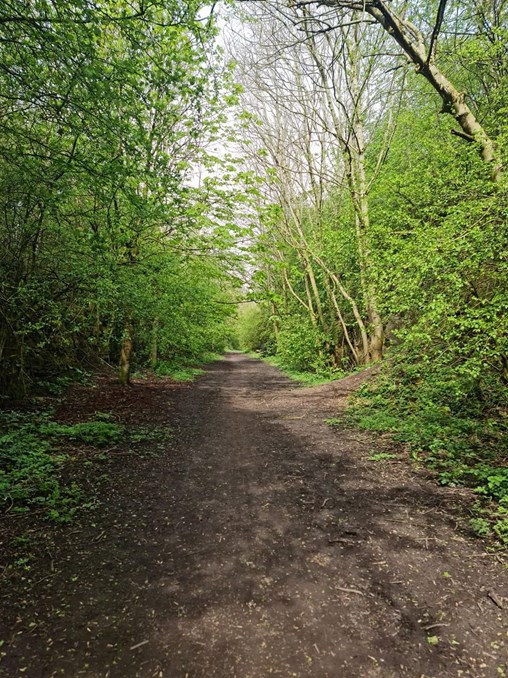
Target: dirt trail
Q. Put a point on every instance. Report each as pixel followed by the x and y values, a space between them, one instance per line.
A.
pixel 264 543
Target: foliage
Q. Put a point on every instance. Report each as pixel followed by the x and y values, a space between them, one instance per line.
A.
pixel 38 455
pixel 183 370
pixel 254 328
pixel 407 229
pixel 301 346
pixel 179 373
pixel 97 433
pixel 442 230
pixel 304 377
pixel 454 432
pixel 105 234
pixel 31 461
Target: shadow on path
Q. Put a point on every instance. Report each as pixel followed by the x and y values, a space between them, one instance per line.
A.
pixel 265 544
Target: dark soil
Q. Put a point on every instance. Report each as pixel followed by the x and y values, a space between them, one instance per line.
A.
pixel 260 542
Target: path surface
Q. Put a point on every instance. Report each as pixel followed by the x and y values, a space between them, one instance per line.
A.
pixel 263 544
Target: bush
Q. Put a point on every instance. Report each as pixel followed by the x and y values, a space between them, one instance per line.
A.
pixel 254 329
pixel 301 346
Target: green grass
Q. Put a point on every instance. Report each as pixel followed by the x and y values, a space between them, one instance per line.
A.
pixel 304 378
pixel 180 373
pixel 382 456
pixel 185 372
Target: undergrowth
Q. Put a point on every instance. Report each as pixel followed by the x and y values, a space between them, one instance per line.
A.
pixel 447 426
pixel 35 450
pixel 57 385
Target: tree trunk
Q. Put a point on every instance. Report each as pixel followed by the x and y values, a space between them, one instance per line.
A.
pixel 124 372
pixel 154 344
pixel 377 339
pixel 275 324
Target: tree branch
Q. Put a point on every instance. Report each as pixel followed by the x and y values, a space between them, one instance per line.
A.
pixel 435 32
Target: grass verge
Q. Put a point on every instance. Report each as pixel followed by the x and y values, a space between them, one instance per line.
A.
pixel 303 378
pixel 182 371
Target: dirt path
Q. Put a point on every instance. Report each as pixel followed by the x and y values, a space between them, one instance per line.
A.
pixel 264 543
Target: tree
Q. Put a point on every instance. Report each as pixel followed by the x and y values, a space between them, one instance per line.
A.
pixel 412 42
pixel 312 99
pixel 106 110
pixel 386 205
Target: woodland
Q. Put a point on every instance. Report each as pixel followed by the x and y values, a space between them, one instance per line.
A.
pixel 323 182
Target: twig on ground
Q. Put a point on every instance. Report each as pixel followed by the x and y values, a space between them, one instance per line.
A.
pixel 496 599
pixel 360 593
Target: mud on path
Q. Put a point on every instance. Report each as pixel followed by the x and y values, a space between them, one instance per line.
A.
pixel 263 543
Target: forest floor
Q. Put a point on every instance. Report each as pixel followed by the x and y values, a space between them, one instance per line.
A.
pixel 259 542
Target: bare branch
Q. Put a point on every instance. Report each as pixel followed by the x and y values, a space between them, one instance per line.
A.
pixel 437 28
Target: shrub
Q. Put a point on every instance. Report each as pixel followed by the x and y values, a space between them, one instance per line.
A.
pixel 301 346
